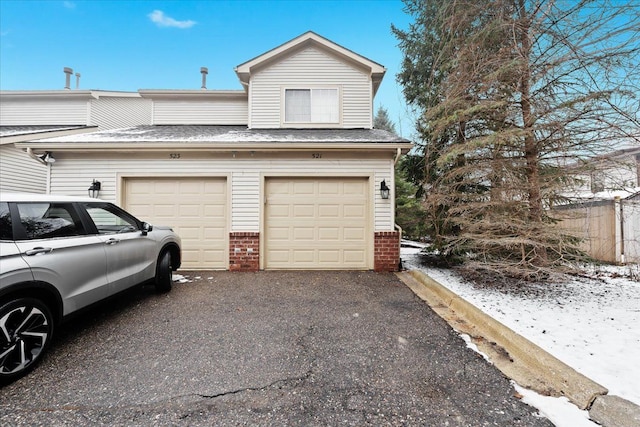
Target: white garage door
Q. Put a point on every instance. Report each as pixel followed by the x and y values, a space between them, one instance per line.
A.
pixel 317 223
pixel 194 207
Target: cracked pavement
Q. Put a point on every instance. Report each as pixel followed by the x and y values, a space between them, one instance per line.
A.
pixel 268 348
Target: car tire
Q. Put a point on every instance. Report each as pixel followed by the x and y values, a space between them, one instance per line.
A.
pixel 164 273
pixel 26 329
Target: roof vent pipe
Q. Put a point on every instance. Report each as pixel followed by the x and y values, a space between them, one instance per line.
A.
pixel 67 81
pixel 204 71
pixel 77 81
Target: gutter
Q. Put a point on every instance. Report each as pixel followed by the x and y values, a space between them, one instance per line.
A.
pixel 212 146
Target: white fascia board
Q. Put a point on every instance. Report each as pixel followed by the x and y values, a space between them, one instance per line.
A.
pixel 67 93
pixel 21 94
pixel 196 94
pixel 16 139
pixel 113 94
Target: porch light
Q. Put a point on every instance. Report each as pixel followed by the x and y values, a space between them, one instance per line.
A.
pixel 47 158
pixel 384 190
pixel 94 189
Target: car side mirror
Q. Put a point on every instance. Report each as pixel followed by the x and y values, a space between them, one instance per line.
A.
pixel 146 228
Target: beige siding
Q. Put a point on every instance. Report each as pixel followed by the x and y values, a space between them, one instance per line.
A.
pixel 114 112
pixel 224 112
pixel 44 112
pixel 21 173
pixel 310 68
pixel 72 174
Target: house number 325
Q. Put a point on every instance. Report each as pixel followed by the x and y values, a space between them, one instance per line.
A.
pixel 174 155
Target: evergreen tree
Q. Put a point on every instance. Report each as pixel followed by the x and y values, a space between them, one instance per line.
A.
pixel 510 92
pixel 382 121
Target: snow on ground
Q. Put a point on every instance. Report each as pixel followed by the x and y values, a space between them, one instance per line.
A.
pixel 589 324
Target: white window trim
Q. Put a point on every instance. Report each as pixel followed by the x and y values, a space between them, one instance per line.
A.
pixel 284 123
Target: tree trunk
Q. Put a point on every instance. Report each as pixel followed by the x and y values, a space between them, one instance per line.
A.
pixel 531 149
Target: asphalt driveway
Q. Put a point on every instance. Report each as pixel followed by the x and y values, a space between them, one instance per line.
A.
pixel 267 348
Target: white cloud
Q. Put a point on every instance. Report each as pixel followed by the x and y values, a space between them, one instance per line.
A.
pixel 69 4
pixel 162 20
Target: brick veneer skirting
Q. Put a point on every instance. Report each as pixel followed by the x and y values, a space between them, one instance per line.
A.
pixel 244 251
pixel 386 251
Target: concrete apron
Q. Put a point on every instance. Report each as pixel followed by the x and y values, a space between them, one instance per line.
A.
pixel 520 359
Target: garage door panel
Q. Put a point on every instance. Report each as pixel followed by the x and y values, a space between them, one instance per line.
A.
pixel 214 211
pixel 329 234
pixel 329 256
pixel 354 234
pixel 331 188
pixel 193 211
pixel 279 256
pixel 329 211
pixel 303 256
pixel 279 233
pixel 355 187
pixel 303 188
pixel 194 207
pixel 191 187
pixel 210 233
pixel 354 256
pixel 140 187
pixel 303 233
pixel 304 211
pixel 214 257
pixel 353 211
pixel 313 222
pixel 279 211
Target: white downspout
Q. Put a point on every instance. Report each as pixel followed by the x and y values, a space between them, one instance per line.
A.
pixel 398 154
pixel 396 226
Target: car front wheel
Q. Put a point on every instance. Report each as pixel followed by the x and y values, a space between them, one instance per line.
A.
pixel 26 329
pixel 163 273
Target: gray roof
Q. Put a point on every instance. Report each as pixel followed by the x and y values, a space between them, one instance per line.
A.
pixel 6 131
pixel 229 134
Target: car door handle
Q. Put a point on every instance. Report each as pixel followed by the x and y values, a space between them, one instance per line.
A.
pixel 112 241
pixel 38 251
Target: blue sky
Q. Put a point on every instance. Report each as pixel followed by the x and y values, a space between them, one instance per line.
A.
pixel 131 45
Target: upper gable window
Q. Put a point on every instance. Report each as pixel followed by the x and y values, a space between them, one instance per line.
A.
pixel 311 106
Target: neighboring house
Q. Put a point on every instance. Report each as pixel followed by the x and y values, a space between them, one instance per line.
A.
pixel 29 115
pixel 285 174
pixel 613 172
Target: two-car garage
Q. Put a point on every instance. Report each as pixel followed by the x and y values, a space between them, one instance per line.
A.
pixel 307 222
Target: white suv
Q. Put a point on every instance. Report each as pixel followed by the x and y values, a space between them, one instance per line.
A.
pixel 59 254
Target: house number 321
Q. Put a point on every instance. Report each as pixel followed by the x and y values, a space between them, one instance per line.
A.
pixel 174 155
pixel 316 155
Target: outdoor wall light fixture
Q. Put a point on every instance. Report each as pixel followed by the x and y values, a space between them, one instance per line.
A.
pixel 384 190
pixel 47 158
pixel 94 189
